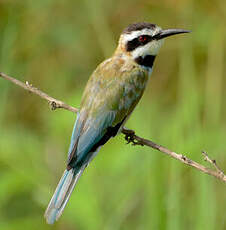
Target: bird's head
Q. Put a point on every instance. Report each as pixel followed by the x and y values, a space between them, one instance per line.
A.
pixel 142 41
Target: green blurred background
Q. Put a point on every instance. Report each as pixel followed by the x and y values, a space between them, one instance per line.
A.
pixel 55 45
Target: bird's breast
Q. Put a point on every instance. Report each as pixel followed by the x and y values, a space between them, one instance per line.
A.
pixel 133 88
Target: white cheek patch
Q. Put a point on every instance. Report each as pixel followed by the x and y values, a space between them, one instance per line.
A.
pixel 150 48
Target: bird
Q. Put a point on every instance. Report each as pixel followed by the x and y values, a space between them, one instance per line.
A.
pixel 110 96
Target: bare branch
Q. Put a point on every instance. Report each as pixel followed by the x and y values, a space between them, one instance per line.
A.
pixel 130 135
pixel 54 103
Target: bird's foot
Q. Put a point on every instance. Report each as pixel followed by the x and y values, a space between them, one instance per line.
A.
pixel 129 135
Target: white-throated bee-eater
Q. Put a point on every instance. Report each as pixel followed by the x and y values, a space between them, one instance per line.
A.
pixel 110 96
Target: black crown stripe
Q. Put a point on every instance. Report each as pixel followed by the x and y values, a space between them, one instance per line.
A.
pixel 138 26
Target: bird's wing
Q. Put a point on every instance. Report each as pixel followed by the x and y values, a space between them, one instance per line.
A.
pixel 111 94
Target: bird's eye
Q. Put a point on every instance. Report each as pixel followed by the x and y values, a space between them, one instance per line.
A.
pixel 142 38
pixel 138 41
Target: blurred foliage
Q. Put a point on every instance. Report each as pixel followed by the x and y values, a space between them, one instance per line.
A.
pixel 56 45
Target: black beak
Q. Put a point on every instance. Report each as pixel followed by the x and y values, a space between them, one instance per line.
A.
pixel 166 33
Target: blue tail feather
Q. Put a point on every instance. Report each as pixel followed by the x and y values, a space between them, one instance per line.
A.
pixel 62 194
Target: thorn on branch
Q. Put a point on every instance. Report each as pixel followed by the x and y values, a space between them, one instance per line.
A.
pixel 29 86
pixel 53 105
pixel 184 158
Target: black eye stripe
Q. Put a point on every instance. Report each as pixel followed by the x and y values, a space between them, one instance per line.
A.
pixel 133 44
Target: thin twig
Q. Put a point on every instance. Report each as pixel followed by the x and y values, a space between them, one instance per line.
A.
pixel 130 135
pixel 213 162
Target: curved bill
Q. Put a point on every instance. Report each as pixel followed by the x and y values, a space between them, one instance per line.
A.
pixel 169 32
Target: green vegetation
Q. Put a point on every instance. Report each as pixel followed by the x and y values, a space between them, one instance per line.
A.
pixel 55 45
